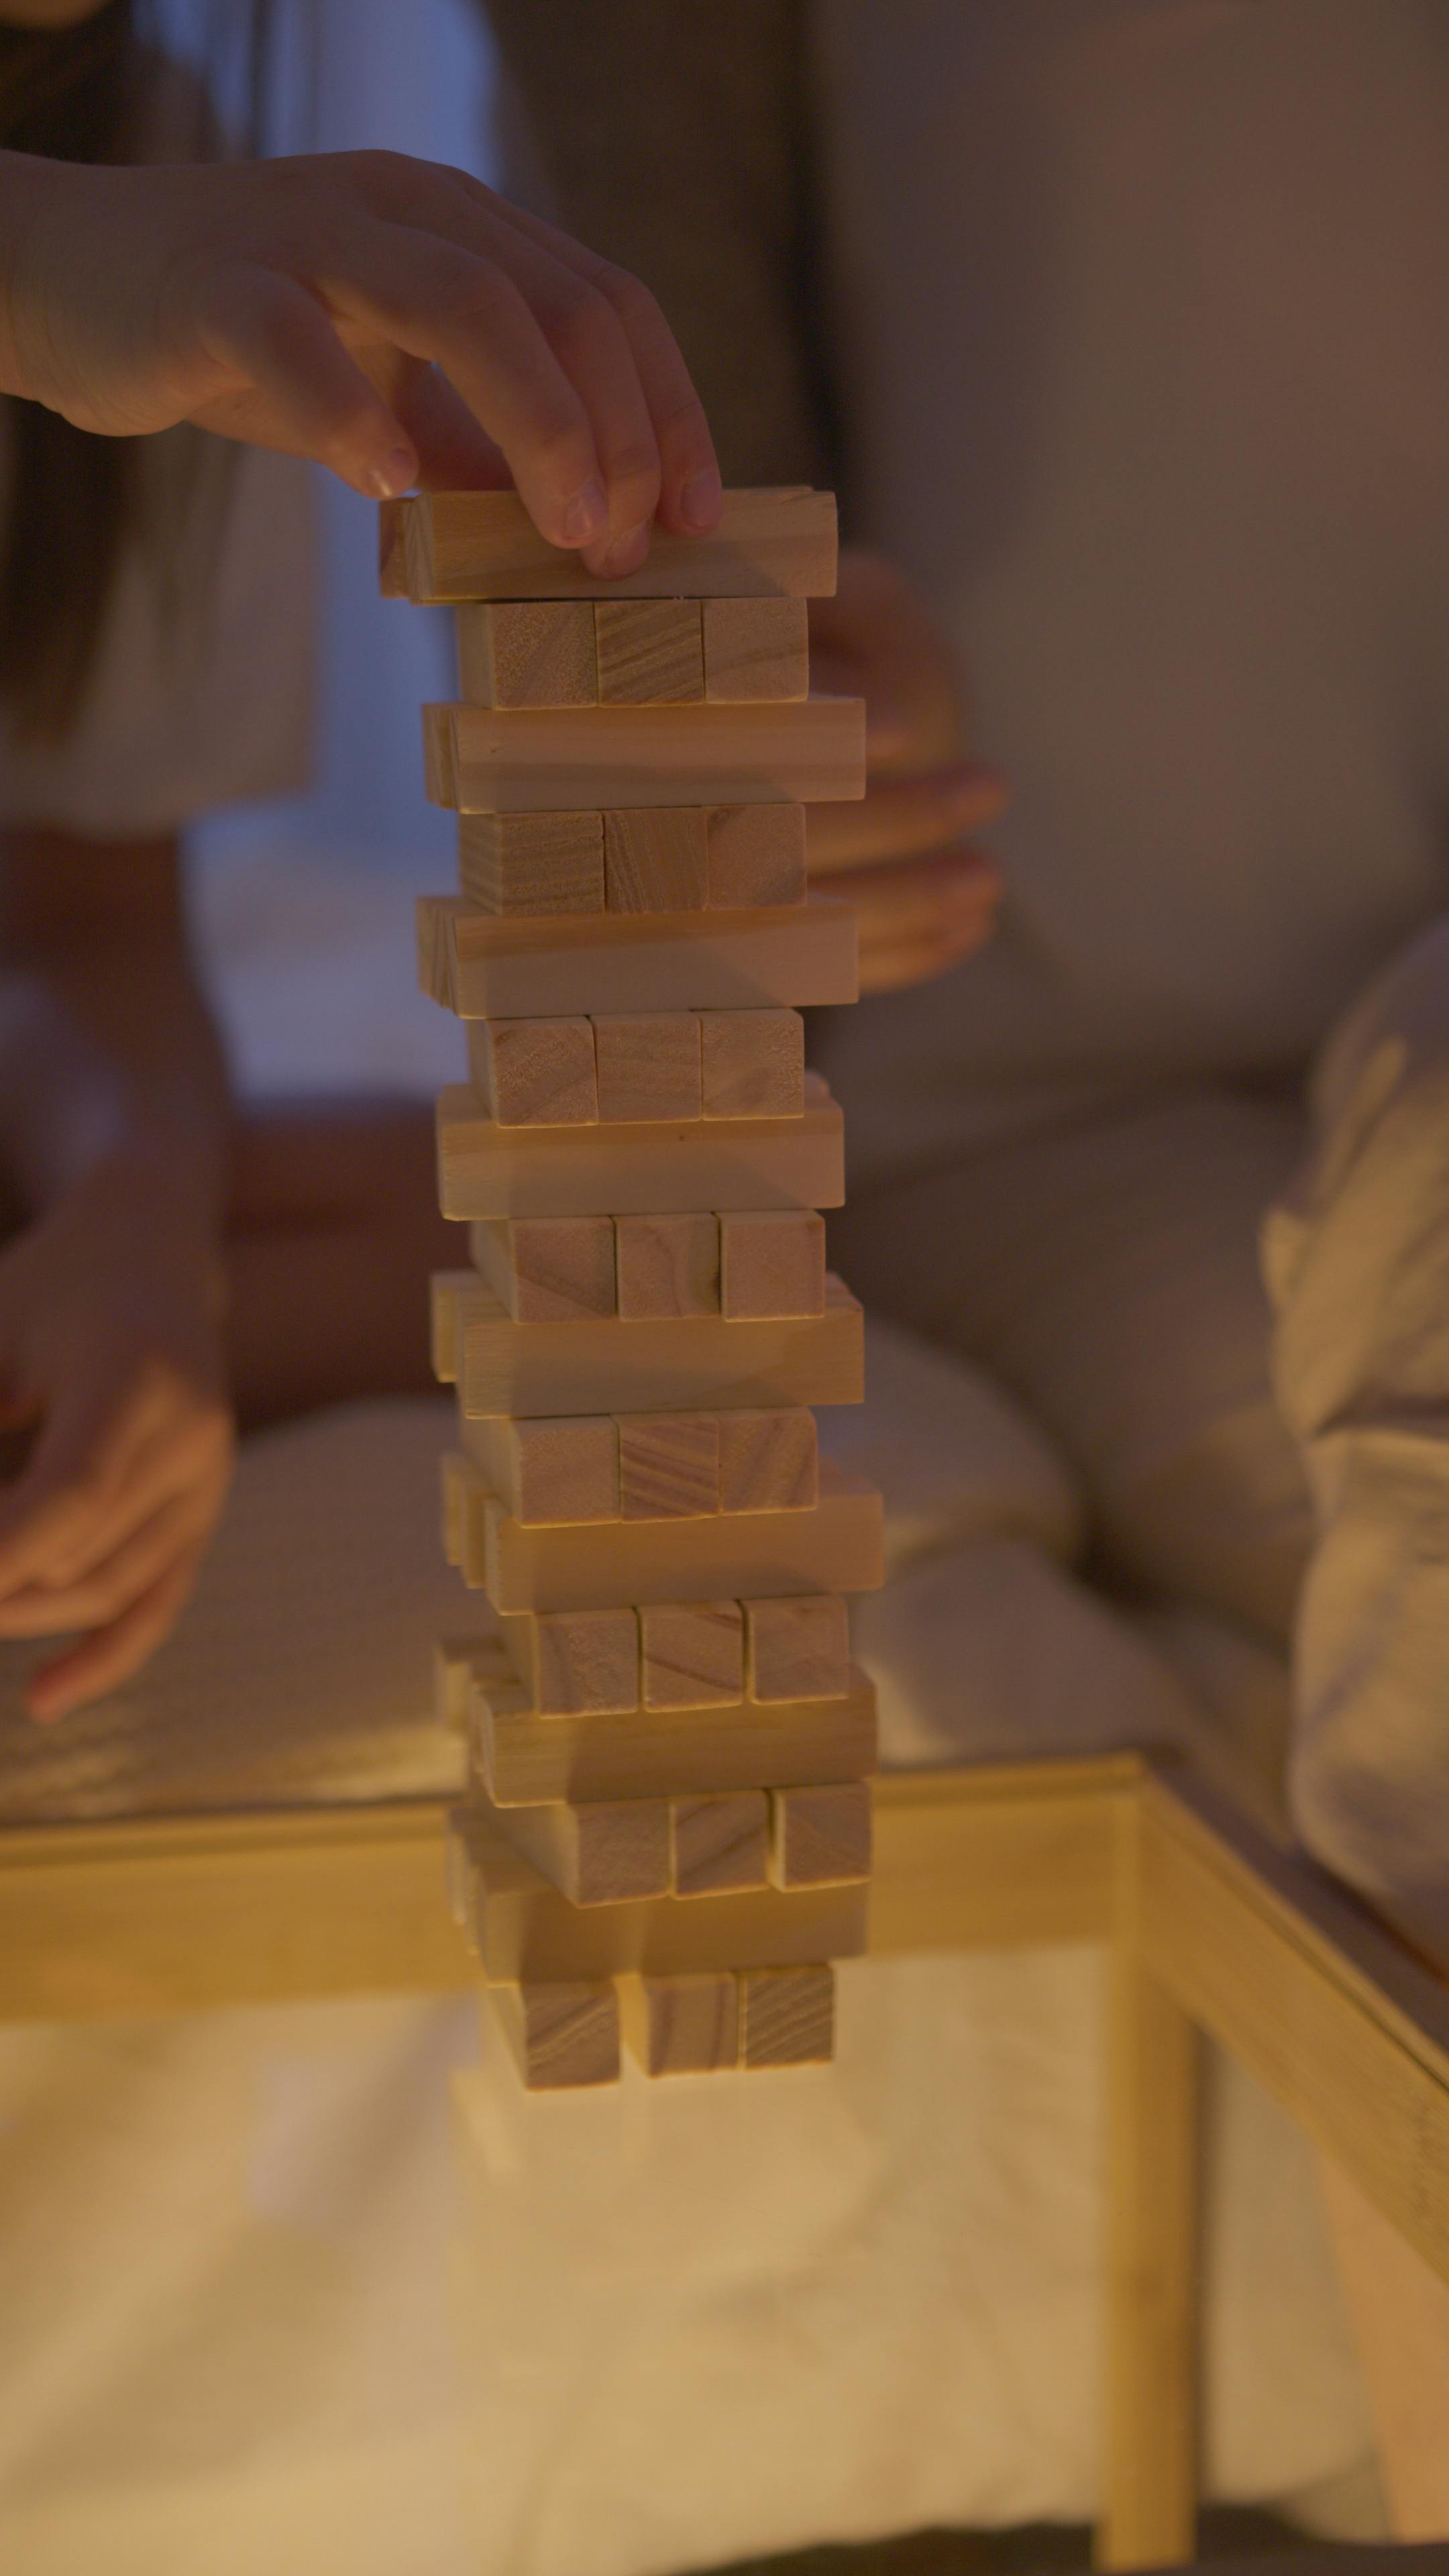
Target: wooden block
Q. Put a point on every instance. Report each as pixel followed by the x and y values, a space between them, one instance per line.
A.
pixel 681 2025
pixel 820 1837
pixel 693 1654
pixel 530 759
pixel 450 546
pixel 720 1843
pixel 535 1073
pixel 487 968
pixel 523 1929
pixel 797 1649
pixel 457 1664
pixel 769 1460
pixel 772 1264
pixel 667 1265
pixel 656 858
pixel 563 2034
pixel 524 1759
pixel 576 1663
pixel 787 2016
pixel 440 757
pixel 649 651
pixel 755 854
pixel 564 1470
pixel 649 1169
pixel 683 1363
pixel 547 1269
pixel 746 1554
pixel 532 864
pixel 547 1470
pixel 452 1506
pixel 648 1066
pixel 756 648
pixel 668 1465
pixel 527 653
pixel 753 1064
pixel 604 1853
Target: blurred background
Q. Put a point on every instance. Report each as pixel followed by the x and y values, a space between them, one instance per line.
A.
pixel 303 909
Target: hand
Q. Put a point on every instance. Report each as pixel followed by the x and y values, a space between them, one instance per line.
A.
pixel 924 899
pixel 393 319
pixel 110 1352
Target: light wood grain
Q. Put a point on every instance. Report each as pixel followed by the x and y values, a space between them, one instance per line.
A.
pixel 603 1852
pixel 527 653
pixel 769 1460
pixel 755 855
pixel 559 1469
pixel 681 2025
pixel 820 1837
pixel 647 1170
pixel 531 864
pixel 563 2035
pixel 797 1649
pixel 649 651
pixel 548 1269
pixel 740 1554
pixel 656 859
pixel 576 1663
pixel 524 760
pixel 666 1265
pixel 787 2016
pixel 772 1262
pixel 648 1066
pixel 756 648
pixel 535 1073
pixel 1277 1995
pixel 526 1760
pixel 693 1654
pixel 694 1363
pixel 1152 2315
pixel 753 1064
pixel 452 546
pixel 524 1929
pixel 668 1465
pixel 720 1842
pixel 484 967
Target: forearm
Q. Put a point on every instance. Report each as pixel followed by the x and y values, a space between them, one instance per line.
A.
pixel 108 1055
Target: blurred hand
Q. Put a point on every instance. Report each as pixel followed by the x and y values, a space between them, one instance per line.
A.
pixel 925 897
pixel 392 318
pixel 110 1354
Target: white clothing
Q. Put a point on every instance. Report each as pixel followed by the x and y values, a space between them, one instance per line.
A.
pixel 203 691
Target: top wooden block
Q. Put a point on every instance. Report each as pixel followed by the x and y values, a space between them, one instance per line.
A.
pixel 450 546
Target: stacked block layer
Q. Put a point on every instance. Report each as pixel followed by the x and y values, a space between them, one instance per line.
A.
pixel 666 1841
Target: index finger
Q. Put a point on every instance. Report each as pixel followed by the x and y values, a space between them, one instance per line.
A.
pixel 691 493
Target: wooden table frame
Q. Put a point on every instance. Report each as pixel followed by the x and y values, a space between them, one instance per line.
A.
pixel 1210 1927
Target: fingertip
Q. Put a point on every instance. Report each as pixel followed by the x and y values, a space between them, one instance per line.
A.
pixel 392 476
pixel 700 506
pixel 615 558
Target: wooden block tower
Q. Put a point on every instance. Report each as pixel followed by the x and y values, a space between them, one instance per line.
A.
pixel 667 1837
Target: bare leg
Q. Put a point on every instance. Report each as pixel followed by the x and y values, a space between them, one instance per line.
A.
pixel 334 1229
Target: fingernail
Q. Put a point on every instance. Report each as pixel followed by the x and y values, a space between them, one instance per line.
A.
pixel 586 513
pixel 626 553
pixel 702 499
pixel 396 475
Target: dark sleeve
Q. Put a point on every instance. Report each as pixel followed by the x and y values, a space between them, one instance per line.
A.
pixel 676 140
